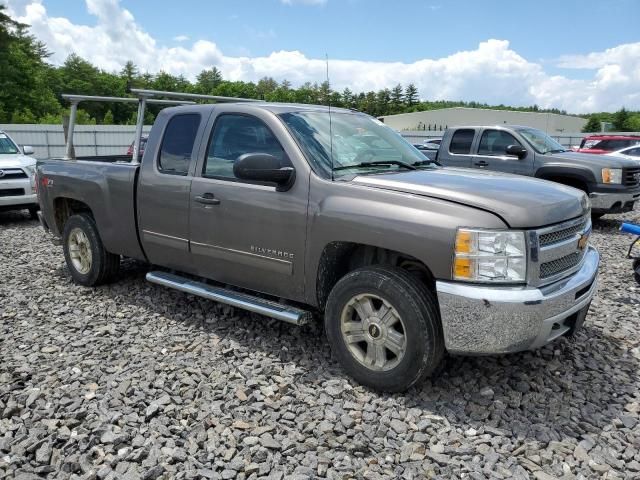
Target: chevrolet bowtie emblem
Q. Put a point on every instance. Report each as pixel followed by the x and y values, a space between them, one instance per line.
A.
pixel 582 242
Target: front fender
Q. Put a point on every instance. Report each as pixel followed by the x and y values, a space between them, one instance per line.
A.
pixel 574 172
pixel 421 227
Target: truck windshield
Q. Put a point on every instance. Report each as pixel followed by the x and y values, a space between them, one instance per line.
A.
pixel 540 141
pixel 352 143
pixel 7 146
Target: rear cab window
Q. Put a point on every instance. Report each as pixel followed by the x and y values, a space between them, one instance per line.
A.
pixel 461 141
pixel 176 150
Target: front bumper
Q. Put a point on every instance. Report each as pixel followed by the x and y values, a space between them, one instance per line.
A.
pixel 25 199
pixel 18 201
pixel 479 320
pixel 610 202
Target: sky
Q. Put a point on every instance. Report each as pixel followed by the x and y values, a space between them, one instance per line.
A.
pixel 577 55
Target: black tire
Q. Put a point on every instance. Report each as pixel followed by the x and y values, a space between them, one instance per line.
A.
pixel 104 266
pixel 33 213
pixel 417 309
pixel 636 270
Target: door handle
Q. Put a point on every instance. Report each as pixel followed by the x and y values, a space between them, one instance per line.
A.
pixel 482 163
pixel 207 199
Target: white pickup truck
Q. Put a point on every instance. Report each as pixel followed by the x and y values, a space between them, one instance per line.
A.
pixel 17 177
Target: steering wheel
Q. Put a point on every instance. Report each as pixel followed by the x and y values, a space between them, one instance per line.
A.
pixel 364 156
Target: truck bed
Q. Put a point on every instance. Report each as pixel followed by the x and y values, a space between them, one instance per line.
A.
pixel 107 185
pixel 102 158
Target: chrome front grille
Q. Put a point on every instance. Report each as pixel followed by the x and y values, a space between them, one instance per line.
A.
pixel 631 176
pixel 561 235
pixel 562 264
pixel 558 251
pixel 12 174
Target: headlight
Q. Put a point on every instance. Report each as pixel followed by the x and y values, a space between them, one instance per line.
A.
pixel 611 175
pixel 490 256
pixel 31 170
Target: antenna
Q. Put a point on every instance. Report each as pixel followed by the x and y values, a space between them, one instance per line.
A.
pixel 329 105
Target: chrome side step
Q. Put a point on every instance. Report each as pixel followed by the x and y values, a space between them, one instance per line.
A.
pixel 264 307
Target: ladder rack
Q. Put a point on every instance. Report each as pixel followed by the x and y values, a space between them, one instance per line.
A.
pixel 142 97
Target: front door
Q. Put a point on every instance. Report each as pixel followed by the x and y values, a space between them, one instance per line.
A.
pixel 248 234
pixel 492 156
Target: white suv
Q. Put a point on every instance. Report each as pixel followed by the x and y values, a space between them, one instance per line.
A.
pixel 17 177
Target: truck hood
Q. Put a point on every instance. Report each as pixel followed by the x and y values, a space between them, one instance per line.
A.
pixel 592 159
pixel 521 202
pixel 16 161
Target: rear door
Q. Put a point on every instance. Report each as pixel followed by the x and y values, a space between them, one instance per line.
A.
pixel 242 233
pixel 458 152
pixel 164 189
pixel 492 156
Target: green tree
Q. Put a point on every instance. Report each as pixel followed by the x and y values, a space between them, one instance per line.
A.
pixel 208 80
pixel 347 98
pixel 24 90
pixel 108 118
pixel 592 125
pixel 620 120
pixel 23 116
pixel 411 95
pixel 383 101
pixel 397 98
pixel 129 72
pixel 266 87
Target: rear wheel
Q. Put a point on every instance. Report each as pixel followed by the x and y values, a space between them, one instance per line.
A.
pixel 636 270
pixel 88 261
pixel 384 328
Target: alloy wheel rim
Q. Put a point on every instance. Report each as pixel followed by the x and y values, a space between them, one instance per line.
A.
pixel 80 251
pixel 373 332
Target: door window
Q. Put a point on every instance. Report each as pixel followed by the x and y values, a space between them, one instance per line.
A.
pixel 177 144
pixel 235 135
pixel 495 142
pixel 461 141
pixel 634 152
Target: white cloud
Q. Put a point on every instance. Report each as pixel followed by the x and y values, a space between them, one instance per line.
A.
pixel 492 72
pixel 180 38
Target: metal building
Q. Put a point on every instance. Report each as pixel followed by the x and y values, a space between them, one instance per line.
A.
pixel 552 123
pixel 48 140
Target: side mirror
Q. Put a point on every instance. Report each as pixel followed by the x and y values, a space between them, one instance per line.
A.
pixel 262 167
pixel 27 150
pixel 431 146
pixel 516 151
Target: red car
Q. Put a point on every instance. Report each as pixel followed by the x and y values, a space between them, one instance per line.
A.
pixel 143 143
pixel 604 144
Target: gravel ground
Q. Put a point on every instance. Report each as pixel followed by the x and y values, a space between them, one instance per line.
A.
pixel 132 380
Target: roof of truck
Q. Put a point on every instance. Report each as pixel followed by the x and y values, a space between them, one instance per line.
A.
pixel 513 127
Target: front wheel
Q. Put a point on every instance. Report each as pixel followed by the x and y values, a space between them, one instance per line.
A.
pixel 384 328
pixel 88 261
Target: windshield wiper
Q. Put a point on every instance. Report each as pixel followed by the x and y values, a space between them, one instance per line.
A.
pixel 408 166
pixel 426 162
pixel 557 150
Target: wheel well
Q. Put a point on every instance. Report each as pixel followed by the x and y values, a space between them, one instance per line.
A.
pixel 569 181
pixel 65 207
pixel 340 258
